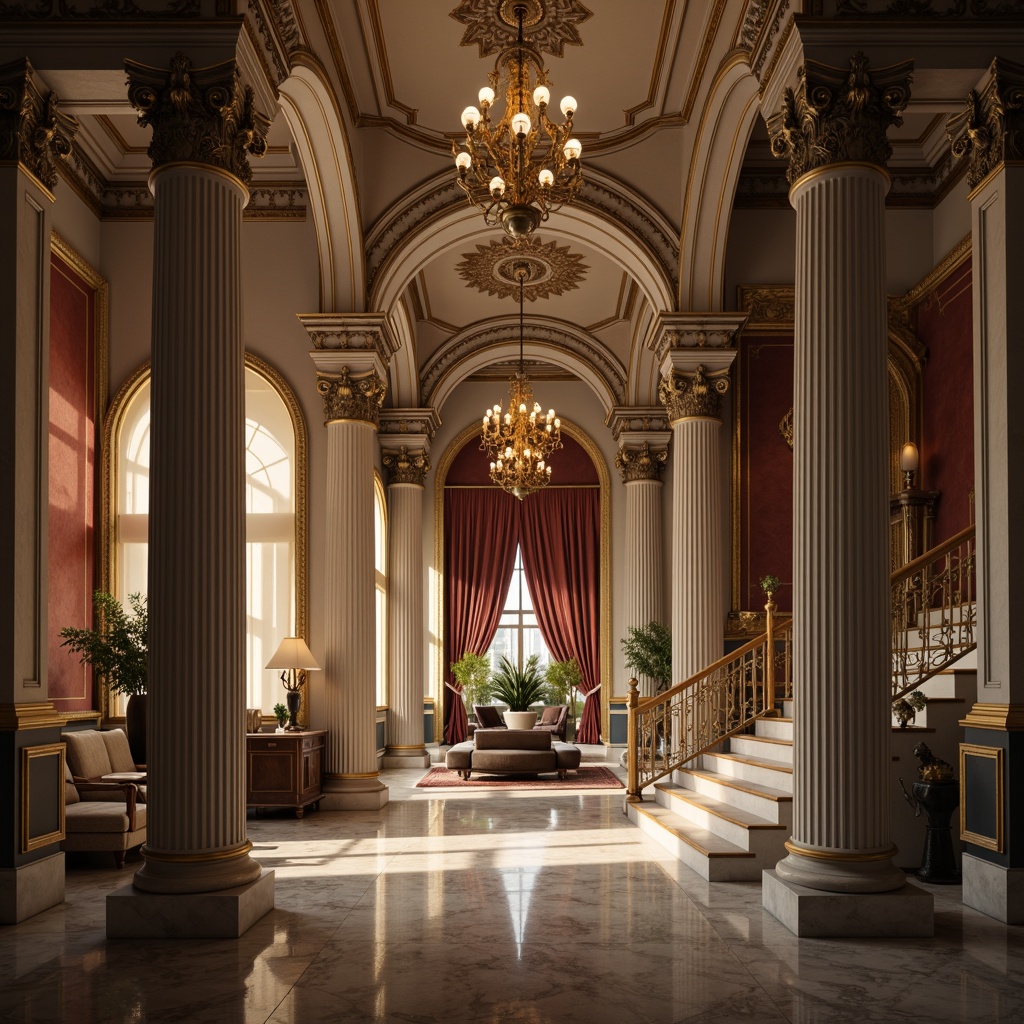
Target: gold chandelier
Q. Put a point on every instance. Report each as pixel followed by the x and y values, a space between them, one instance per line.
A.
pixel 520 442
pixel 523 167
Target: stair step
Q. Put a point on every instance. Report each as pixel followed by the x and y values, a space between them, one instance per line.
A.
pixel 770 747
pixel 712 857
pixel 762 770
pixel 747 830
pixel 766 802
pixel 774 728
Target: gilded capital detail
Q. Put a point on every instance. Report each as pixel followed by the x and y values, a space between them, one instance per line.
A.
pixel 404 466
pixel 351 398
pixel 990 128
pixel 33 131
pixel 198 115
pixel 839 114
pixel 688 397
pixel 639 462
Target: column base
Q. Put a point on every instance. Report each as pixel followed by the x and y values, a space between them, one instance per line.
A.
pixel 993 889
pixel 404 757
pixel 813 913
pixel 840 872
pixel 353 795
pixel 227 914
pixel 32 888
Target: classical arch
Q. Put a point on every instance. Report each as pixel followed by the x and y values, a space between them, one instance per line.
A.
pixel 725 126
pixel 321 138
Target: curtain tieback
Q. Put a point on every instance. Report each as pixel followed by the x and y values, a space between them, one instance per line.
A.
pixel 454 689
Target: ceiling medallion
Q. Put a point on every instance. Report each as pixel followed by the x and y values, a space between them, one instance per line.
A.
pixel 521 167
pixel 552 268
pixel 492 26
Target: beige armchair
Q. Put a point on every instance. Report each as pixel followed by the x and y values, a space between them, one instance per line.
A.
pixel 102 816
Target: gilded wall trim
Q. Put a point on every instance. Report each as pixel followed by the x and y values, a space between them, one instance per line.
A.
pixel 31 762
pixel 975 752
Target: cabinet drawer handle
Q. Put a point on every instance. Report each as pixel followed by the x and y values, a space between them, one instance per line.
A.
pixel 271 744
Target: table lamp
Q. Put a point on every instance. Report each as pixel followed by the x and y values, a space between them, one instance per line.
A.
pixel 294 657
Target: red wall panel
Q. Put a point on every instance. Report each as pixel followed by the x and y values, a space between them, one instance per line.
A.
pixel 72 448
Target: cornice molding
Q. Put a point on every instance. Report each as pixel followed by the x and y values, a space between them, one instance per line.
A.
pixel 677 331
pixel 639 423
pixel 356 332
pixel 412 427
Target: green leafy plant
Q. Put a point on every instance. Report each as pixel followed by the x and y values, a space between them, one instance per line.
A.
pixel 770 584
pixel 905 709
pixel 648 652
pixel 564 679
pixel 473 673
pixel 281 714
pixel 518 687
pixel 118 645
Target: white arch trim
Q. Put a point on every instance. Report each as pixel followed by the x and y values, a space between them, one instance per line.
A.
pixel 322 144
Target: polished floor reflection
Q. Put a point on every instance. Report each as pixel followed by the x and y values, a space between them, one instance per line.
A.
pixel 498 907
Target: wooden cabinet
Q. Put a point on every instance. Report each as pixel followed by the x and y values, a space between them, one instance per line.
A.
pixel 284 769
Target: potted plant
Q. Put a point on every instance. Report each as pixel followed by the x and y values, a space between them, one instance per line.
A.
pixel 473 673
pixel 117 648
pixel 518 688
pixel 648 651
pixel 282 715
pixel 770 585
pixel 905 709
pixel 564 679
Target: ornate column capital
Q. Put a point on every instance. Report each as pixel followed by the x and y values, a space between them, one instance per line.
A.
pixel 352 332
pixel 349 396
pixel 990 128
pixel 696 396
pixel 640 462
pixel 198 115
pixel 837 115
pixel 711 335
pixel 405 466
pixel 33 131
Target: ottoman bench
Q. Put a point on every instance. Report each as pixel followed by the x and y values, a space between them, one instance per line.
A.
pixel 512 751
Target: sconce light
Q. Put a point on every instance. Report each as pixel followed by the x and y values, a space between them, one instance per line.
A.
pixel 910 459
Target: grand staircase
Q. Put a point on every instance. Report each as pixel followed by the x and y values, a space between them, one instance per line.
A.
pixel 716 752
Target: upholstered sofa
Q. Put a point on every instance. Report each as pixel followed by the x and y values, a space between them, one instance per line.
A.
pixel 95 756
pixel 512 751
pixel 551 719
pixel 102 816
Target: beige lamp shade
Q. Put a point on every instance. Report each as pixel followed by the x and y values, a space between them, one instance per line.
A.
pixel 293 653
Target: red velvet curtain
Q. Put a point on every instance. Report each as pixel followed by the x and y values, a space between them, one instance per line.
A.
pixel 560 534
pixel 480 527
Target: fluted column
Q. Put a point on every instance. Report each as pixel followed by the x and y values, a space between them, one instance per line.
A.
pixel 641 459
pixel 33 134
pixel 351 353
pixel 406 468
pixel 989 133
pixel 203 124
pixel 695 351
pixel 841 841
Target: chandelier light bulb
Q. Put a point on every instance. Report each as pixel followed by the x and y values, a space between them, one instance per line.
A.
pixel 521 124
pixel 470 118
pixel 485 96
pixel 463 161
pixel 567 106
pixel 572 149
pixel 546 178
pixel 497 186
pixel 541 95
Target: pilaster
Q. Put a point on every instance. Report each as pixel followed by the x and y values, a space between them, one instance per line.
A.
pixel 404 454
pixel 34 135
pixel 203 125
pixel 351 353
pixel 695 352
pixel 988 133
pixel 833 132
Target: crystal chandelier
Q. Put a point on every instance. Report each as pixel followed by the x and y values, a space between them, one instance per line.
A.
pixel 521 168
pixel 520 442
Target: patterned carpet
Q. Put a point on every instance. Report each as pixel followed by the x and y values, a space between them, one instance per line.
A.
pixel 585 777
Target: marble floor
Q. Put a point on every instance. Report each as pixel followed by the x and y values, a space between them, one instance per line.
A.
pixel 497 907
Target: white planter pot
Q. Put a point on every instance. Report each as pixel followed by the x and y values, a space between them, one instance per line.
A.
pixel 520 719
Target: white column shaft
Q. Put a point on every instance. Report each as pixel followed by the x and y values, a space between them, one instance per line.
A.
pixel 197 537
pixel 350 655
pixel 644 566
pixel 696 547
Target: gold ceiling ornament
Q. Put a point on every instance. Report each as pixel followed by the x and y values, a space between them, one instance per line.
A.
pixel 786 428
pixel 553 269
pixel 689 397
pixel 520 442
pixel 524 166
pixel 552 23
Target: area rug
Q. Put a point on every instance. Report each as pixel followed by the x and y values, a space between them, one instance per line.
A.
pixel 585 777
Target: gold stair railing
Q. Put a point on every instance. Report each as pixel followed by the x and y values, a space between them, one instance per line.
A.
pixel 933 612
pixel 671 728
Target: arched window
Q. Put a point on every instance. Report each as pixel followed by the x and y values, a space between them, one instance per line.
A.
pixel 380 564
pixel 274 520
